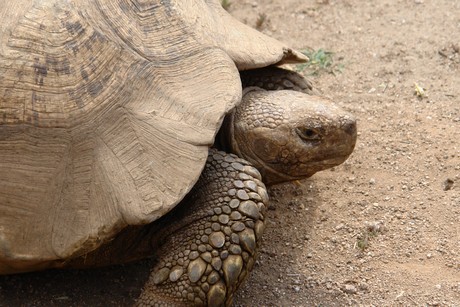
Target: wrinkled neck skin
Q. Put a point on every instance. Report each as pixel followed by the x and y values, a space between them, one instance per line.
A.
pixel 288 135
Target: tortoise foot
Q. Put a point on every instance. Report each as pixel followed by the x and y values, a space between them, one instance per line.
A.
pixel 214 239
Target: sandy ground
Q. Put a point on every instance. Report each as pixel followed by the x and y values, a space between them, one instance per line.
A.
pixel 383 228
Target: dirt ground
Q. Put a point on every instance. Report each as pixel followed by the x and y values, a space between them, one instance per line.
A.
pixel 383 228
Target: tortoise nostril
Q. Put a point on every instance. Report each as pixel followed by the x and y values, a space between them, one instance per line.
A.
pixel 349 126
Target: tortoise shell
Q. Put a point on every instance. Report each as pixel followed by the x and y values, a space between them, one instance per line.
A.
pixel 107 111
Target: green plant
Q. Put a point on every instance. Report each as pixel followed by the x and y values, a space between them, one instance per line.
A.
pixel 362 241
pixel 371 231
pixel 320 61
pixel 226 4
pixel 261 20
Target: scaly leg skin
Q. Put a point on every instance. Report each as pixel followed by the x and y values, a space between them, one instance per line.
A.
pixel 213 239
pixel 275 78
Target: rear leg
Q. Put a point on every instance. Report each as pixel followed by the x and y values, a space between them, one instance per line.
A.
pixel 213 237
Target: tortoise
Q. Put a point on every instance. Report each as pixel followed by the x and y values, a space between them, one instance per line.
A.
pixel 108 111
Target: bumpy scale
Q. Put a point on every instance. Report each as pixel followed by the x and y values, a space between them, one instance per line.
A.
pixel 206 257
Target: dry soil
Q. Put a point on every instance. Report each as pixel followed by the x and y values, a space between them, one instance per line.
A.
pixel 383 228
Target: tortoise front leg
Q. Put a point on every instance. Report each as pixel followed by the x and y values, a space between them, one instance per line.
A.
pixel 213 238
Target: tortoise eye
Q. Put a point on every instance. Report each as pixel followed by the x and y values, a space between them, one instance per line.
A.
pixel 308 134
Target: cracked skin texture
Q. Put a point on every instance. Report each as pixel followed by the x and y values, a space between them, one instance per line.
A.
pixel 214 244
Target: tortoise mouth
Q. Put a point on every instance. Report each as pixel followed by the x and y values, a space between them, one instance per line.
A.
pixel 297 171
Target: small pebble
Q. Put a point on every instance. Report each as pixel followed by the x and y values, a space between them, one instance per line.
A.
pixel 448 184
pixel 350 289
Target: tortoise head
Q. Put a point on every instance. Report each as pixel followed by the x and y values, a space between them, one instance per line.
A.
pixel 288 135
